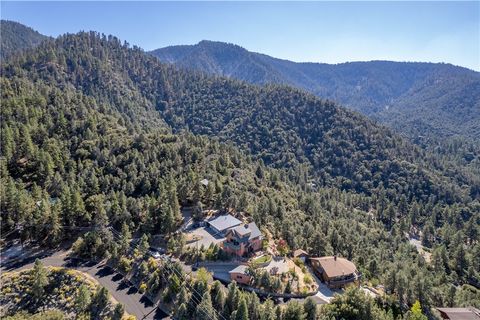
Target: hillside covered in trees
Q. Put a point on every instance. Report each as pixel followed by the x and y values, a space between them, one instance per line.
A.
pixel 418 99
pixel 98 134
pixel 16 37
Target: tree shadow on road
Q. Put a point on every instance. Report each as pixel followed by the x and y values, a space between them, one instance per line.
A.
pixel 132 290
pixel 16 264
pixel 122 286
pixel 117 277
pixel 146 302
pixel 159 314
pixel 104 271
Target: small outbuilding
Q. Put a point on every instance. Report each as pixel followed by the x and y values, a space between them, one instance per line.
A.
pixel 300 254
pixel 240 275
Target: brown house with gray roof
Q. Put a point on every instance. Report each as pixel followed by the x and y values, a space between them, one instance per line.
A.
pixel 243 240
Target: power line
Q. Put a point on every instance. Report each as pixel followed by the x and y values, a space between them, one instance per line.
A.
pixel 192 289
pixel 196 299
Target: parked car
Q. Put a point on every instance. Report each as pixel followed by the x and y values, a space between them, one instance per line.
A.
pixel 158 249
pixel 154 254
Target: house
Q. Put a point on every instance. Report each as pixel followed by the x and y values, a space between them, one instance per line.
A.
pixel 243 240
pixel 336 272
pixel 300 254
pixel 222 224
pixel 469 313
pixel 240 275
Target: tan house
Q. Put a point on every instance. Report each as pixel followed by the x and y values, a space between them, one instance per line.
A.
pixel 240 275
pixel 243 240
pixel 336 272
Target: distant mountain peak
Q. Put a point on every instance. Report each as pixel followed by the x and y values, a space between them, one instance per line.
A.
pixel 418 94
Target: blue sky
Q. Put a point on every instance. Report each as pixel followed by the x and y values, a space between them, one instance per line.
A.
pixel 329 32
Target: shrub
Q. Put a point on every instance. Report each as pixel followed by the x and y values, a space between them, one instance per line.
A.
pixel 125 264
pixel 307 279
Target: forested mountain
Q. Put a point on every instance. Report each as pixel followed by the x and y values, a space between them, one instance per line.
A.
pixel 284 127
pixel 97 134
pixel 413 98
pixel 15 37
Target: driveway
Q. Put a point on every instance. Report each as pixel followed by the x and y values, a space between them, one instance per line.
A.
pixel 133 301
pixel 220 270
pixel 324 294
pixel 207 237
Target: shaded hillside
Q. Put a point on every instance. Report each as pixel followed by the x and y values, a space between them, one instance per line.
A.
pixel 414 98
pixel 16 37
pixel 283 126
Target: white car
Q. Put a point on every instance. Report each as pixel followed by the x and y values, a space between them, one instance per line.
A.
pixel 155 254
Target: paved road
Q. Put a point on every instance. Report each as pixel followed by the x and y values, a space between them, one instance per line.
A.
pixel 133 301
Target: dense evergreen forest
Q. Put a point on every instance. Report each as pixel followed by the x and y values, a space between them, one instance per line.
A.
pixel 16 37
pixel 96 134
pixel 417 99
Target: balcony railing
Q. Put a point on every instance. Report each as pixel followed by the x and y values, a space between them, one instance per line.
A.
pixel 231 245
pixel 352 278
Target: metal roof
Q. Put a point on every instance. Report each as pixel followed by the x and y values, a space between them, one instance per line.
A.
pixel 251 230
pixel 255 231
pixel 240 269
pixel 224 222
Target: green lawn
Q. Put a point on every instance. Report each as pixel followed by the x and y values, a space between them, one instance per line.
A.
pixel 263 259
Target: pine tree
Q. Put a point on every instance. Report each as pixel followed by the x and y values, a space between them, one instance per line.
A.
pixel 55 228
pixel 8 144
pixel 100 300
pixel 39 279
pixel 242 311
pixel 143 245
pixel 126 237
pixel 294 311
pixel 182 313
pixel 268 310
pixel 205 309
pixel 232 297
pixel 311 310
pixel 83 299
pixel 118 312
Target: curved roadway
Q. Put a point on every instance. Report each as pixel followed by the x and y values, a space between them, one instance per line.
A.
pixel 134 302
